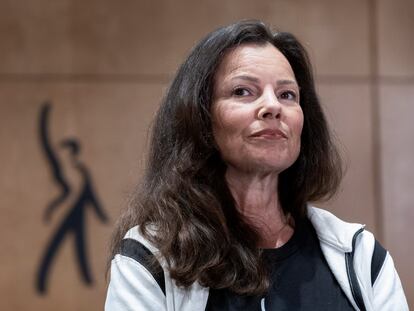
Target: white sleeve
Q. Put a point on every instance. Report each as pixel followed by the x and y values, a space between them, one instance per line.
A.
pixel 132 288
pixel 387 289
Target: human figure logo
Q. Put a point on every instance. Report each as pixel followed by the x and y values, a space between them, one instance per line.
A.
pixel 77 193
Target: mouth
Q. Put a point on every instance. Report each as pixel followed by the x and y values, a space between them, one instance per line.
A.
pixel 272 134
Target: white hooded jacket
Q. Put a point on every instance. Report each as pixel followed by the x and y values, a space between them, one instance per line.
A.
pixel 347 247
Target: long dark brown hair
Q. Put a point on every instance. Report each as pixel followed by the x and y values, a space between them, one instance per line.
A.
pixel 183 204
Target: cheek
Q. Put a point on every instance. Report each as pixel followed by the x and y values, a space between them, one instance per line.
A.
pixel 228 124
pixel 225 134
pixel 296 126
pixel 297 123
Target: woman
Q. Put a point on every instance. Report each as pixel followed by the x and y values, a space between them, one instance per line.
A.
pixel 221 221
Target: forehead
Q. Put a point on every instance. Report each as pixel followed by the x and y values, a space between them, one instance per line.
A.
pixel 254 59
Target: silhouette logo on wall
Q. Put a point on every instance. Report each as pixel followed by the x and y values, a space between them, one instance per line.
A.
pixel 76 195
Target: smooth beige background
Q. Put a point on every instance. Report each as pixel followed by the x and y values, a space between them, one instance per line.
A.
pixel 104 65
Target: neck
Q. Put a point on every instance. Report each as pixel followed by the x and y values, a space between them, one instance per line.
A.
pixel 257 200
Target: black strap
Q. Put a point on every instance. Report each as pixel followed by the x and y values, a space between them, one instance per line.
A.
pixel 353 280
pixel 377 261
pixel 378 258
pixel 133 249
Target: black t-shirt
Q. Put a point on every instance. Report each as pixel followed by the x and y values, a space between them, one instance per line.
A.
pixel 300 280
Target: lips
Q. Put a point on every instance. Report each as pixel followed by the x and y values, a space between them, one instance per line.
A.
pixel 269 134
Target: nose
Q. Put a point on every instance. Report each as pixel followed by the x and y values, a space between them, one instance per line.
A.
pixel 270 107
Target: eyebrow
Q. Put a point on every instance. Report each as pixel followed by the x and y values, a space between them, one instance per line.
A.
pixel 286 82
pixel 256 80
pixel 247 78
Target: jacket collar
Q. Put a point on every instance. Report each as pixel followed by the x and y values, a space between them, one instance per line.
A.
pixel 331 230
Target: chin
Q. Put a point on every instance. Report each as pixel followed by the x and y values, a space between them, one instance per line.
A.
pixel 262 166
pixel 277 164
pixel 256 161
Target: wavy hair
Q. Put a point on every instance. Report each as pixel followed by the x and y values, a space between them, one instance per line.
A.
pixel 183 204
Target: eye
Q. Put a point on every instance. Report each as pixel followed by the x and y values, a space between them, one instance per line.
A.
pixel 241 91
pixel 288 95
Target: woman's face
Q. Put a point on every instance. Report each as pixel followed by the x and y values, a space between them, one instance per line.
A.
pixel 257 119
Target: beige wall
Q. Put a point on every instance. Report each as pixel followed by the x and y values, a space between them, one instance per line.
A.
pixel 104 65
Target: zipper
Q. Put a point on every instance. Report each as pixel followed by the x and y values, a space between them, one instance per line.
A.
pixel 262 305
pixel 353 281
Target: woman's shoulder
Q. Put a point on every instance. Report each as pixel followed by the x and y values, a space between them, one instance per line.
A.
pixel 140 268
pixel 335 232
pixel 137 254
pixel 137 278
pixel 134 236
pixel 366 261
